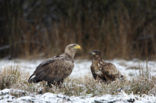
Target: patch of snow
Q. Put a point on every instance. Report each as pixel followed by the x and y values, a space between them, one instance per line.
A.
pixel 60 98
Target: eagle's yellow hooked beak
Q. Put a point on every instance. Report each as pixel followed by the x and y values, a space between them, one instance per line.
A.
pixel 77 47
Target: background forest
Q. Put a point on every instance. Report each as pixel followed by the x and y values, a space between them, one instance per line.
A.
pixel 41 28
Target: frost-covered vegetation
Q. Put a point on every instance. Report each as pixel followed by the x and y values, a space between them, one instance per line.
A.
pixel 13 78
pixel 140 83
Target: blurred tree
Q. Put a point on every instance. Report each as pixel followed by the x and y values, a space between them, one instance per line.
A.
pixel 29 27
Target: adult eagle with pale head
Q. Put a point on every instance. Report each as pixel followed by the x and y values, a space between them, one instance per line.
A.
pixel 57 68
pixel 102 70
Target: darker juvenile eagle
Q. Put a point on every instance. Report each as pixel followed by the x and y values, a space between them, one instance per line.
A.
pixel 102 70
pixel 57 68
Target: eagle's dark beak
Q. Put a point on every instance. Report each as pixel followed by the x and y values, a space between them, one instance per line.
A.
pixel 92 53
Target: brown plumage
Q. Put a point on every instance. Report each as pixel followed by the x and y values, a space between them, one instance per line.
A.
pixel 101 70
pixel 57 68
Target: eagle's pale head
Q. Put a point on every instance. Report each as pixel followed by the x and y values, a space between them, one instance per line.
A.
pixel 95 54
pixel 72 49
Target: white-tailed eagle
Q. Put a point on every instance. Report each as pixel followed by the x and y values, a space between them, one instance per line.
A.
pixel 57 68
pixel 102 70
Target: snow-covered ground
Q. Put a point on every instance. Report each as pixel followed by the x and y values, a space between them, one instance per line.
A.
pixel 122 97
pixel 82 69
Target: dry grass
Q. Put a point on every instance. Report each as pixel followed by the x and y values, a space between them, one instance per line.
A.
pixel 8 77
pixel 11 77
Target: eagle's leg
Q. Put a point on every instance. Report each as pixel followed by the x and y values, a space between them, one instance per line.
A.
pixel 99 79
pixel 59 83
pixel 49 84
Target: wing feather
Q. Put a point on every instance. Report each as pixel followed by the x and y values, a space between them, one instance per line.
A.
pixel 110 71
pixel 54 69
pixel 93 72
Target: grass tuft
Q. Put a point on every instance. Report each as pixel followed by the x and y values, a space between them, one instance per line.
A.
pixel 10 76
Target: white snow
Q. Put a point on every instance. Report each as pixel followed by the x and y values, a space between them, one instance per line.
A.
pixel 81 70
pixel 122 97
